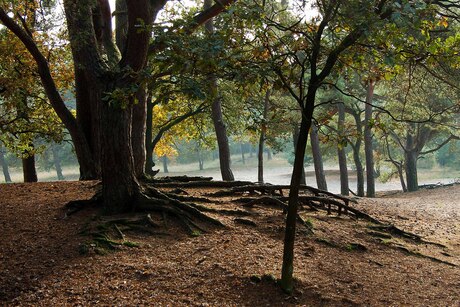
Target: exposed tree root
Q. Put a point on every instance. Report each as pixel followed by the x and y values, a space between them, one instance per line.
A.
pixel 176 179
pixel 245 222
pixel 202 184
pixel 75 206
pixel 404 234
pixel 417 254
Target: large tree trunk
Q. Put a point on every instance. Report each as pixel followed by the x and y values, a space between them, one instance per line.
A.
pixel 119 181
pixel 317 159
pixel 217 118
pixel 139 127
pixel 57 162
pixel 344 187
pixel 6 172
pixel 295 137
pixel 368 148
pixel 28 167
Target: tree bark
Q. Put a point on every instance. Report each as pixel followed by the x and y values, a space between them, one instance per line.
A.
pixel 28 167
pixel 317 159
pixel 6 172
pixel 57 162
pixel 368 147
pixel 344 187
pixel 217 118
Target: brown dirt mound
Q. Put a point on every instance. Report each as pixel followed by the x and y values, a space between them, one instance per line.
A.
pixel 344 263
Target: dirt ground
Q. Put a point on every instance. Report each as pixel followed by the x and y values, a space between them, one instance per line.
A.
pixel 343 263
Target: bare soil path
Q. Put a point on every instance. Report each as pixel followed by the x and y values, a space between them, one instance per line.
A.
pixel 343 263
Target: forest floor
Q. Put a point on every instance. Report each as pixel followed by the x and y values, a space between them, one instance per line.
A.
pixel 344 262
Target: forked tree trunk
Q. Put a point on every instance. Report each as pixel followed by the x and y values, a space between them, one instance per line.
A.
pixel 243 159
pixel 28 167
pixel 57 162
pixel 217 118
pixel 344 187
pixel 356 154
pixel 6 172
pixel 368 147
pixel 317 159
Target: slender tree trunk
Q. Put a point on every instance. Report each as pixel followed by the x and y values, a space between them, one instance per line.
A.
pixel 295 137
pixel 287 282
pixel 317 159
pixel 200 159
pixel 401 177
pixel 243 159
pixel 57 162
pixel 356 154
pixel 269 154
pixel 410 163
pixel 6 172
pixel 368 148
pixel 260 158
pixel 28 167
pixel 263 130
pixel 165 164
pixel 359 170
pixel 217 118
pixel 149 164
pixel 344 187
